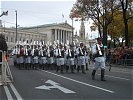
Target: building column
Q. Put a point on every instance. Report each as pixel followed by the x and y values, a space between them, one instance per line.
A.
pixel 59 35
pixel 62 36
pixel 55 37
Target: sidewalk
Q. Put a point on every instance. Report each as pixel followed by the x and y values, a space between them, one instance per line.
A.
pixel 127 69
pixel 114 68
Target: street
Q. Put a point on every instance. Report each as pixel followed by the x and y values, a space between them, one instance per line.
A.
pixel 49 84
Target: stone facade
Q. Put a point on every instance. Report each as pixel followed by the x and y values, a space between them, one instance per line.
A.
pixel 49 32
pixel 61 32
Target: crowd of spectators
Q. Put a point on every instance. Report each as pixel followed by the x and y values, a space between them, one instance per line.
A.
pixel 119 55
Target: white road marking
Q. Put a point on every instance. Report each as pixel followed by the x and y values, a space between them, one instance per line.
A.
pixel 55 85
pixel 15 92
pixel 116 77
pixel 81 82
pixel 8 94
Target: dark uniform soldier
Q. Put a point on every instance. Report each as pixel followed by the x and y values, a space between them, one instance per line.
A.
pixel 3 46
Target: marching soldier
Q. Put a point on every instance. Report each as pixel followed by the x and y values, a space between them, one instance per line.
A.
pixel 86 57
pixel 70 59
pixel 28 57
pixel 43 57
pixel 98 51
pixel 17 51
pixel 60 58
pixel 51 57
pixel 21 57
pixel 36 58
pixel 14 53
pixel 81 58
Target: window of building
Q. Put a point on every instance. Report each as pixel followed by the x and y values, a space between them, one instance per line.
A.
pixel 57 35
pixel 7 38
pixel 11 39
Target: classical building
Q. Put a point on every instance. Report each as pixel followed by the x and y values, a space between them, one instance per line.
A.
pixel 61 32
pixel 48 32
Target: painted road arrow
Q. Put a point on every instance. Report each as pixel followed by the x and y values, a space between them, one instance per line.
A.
pixel 54 85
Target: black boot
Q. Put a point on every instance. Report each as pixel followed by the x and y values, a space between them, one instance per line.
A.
pixel 51 66
pixel 102 75
pixel 57 68
pixel 26 66
pixel 62 69
pixel 19 66
pixel 36 66
pixel 67 68
pixel 78 68
pixel 72 69
pixel 87 66
pixel 43 66
pixel 29 67
pixel 93 74
pixel 83 69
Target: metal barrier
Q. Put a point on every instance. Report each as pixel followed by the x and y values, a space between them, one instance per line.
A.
pixel 121 62
pixel 126 62
pixel 5 73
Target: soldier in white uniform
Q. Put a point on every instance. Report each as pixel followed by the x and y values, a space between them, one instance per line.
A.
pixel 60 58
pixel 28 58
pixel 70 59
pixel 81 58
pixel 36 58
pixel 86 57
pixel 51 57
pixel 98 51
pixel 43 57
pixel 21 57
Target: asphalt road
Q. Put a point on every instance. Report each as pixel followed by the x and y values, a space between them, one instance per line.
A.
pixel 49 84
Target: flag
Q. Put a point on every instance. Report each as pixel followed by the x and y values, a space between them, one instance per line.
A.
pixel 63 15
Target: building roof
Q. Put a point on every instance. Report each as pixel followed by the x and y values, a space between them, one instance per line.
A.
pixel 64 25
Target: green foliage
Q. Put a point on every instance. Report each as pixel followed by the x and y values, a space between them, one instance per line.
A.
pixel 116 28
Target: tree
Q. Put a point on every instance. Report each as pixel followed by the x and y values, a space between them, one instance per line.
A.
pixel 100 11
pixel 126 5
pixel 117 31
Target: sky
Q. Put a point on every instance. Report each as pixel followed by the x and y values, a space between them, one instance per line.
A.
pixel 33 13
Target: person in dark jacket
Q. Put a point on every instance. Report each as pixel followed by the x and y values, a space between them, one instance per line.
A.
pixel 3 46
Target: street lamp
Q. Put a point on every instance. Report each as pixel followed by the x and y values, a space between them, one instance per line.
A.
pixel 4 13
pixel 16 26
pixel 72 30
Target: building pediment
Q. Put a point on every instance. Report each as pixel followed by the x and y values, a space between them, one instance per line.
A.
pixel 55 25
pixel 65 25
